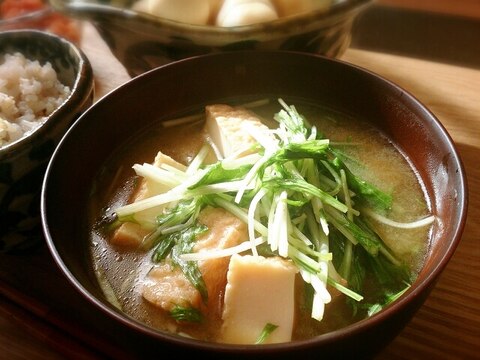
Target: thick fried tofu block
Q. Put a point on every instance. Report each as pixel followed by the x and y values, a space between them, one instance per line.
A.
pixel 259 291
pixel 131 234
pixel 225 125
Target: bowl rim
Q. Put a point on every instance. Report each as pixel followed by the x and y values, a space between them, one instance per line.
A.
pixel 110 13
pixel 80 90
pixel 348 331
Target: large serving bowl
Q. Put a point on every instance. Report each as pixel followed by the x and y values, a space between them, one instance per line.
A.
pixel 23 162
pixel 142 41
pixel 177 88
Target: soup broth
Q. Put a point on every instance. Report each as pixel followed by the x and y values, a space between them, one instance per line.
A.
pixel 367 153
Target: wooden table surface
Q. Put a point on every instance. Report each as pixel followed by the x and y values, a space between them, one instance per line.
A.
pixel 36 324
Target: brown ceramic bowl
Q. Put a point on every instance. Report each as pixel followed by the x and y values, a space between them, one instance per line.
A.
pixel 179 87
pixel 23 161
pixel 142 41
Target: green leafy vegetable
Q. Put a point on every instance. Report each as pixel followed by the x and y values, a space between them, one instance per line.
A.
pixel 365 191
pixel 266 331
pixel 179 243
pixel 186 314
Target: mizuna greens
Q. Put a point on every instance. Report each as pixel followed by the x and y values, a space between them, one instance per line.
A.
pixel 299 200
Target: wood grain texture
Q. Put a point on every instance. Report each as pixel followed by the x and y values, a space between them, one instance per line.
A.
pixel 446 327
pixel 468 8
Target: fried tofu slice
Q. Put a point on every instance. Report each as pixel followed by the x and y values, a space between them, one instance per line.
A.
pixel 166 286
pixel 131 234
pixel 226 127
pixel 259 291
pixel 226 231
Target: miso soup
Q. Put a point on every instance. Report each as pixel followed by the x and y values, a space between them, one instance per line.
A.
pixel 319 199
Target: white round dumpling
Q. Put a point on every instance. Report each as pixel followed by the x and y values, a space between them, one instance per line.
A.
pixel 141 5
pixel 292 7
pixel 196 12
pixel 214 9
pixel 215 6
pixel 245 12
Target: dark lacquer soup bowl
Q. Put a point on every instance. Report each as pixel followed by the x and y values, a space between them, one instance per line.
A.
pixel 314 195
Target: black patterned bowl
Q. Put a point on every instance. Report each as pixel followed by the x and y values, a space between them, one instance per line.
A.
pixel 23 162
pixel 142 42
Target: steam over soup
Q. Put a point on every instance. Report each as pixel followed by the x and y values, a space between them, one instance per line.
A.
pixel 258 224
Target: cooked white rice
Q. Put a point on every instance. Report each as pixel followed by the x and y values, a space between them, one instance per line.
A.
pixel 29 93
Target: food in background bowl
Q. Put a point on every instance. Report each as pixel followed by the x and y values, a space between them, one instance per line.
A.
pixel 228 13
pixel 133 131
pixel 269 225
pixel 45 83
pixel 142 41
pixel 37 14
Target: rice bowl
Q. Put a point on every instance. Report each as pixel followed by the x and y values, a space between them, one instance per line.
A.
pixel 45 83
pixel 29 93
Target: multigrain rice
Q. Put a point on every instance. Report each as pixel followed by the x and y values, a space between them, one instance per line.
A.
pixel 29 93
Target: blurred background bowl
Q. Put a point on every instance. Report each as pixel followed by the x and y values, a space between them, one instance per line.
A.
pixel 177 89
pixel 142 41
pixel 23 162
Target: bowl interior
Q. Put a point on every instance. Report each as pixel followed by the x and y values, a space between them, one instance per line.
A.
pixel 180 87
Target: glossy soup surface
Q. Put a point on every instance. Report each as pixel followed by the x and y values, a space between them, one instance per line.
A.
pixel 373 157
